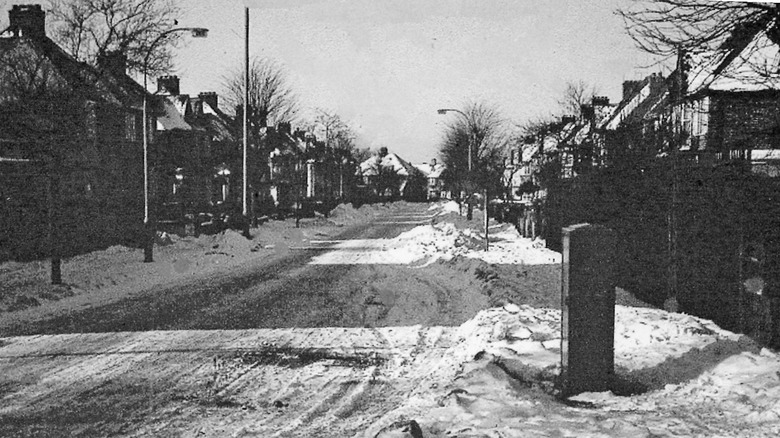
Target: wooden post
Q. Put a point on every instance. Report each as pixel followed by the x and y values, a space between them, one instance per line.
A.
pixel 588 309
pixel 52 213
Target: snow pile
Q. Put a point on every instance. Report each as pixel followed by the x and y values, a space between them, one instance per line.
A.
pixel 508 247
pixel 230 242
pixel 345 214
pixel 505 385
pixel 448 207
pixel 444 241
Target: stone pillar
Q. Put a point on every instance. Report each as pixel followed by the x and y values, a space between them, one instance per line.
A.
pixel 588 309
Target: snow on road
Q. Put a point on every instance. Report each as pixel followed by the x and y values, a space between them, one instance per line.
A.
pixel 428 243
pixel 492 376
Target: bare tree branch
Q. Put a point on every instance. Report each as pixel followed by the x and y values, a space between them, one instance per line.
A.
pixel 662 27
pixel 88 29
pixel 575 95
pixel 482 129
pixel 271 99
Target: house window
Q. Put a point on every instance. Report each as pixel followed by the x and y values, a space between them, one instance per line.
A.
pixel 686 118
pixel 131 128
pixel 90 120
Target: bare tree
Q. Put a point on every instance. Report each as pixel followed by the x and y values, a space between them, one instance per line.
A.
pixel 338 134
pixel 662 27
pixel 575 95
pixel 271 99
pixel 481 130
pixel 89 29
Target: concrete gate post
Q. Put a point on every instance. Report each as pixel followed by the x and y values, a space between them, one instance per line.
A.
pixel 588 309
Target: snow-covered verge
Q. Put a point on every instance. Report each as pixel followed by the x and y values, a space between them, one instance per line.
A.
pixel 107 275
pixel 493 376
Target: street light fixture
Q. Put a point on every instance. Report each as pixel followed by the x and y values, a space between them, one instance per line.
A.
pixel 197 32
pixel 469 210
pixel 471 133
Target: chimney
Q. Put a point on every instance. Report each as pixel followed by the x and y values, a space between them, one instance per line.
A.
pixel 630 88
pixel 587 112
pixel 168 85
pixel 210 98
pixel 284 128
pixel 27 21
pixel 600 101
pixel 114 62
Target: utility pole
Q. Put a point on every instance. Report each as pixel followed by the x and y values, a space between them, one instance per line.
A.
pixel 245 223
pixel 671 300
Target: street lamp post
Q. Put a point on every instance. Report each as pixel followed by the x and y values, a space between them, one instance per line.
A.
pixel 469 210
pixel 197 32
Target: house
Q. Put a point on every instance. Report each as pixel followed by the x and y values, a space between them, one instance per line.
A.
pixel 434 173
pixel 637 128
pixel 80 127
pixel 391 177
pixel 730 101
pixel 196 147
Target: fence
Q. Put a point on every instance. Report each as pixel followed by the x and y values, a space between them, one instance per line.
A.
pixel 712 240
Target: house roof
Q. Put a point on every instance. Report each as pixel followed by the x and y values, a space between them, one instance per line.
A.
pixel 91 83
pixel 169 117
pixel 219 124
pixel 746 64
pixel 370 167
pixel 430 170
pixel 640 105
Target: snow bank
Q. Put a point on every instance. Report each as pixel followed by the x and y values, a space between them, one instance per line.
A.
pixel 428 243
pixel 504 385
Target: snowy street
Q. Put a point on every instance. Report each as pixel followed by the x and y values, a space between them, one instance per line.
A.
pixel 484 363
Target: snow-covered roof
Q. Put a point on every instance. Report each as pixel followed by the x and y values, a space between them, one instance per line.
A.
pixel 553 140
pixel 749 67
pixel 370 167
pixel 170 117
pixel 430 170
pixel 529 152
pixel 627 107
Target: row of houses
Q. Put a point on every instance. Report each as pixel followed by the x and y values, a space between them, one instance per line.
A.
pixel 72 154
pixel 685 169
pixel 715 107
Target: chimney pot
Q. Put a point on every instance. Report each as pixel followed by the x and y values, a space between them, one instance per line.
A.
pixel 600 101
pixel 210 98
pixel 168 85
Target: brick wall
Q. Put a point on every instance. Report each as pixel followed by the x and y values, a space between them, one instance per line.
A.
pixel 740 120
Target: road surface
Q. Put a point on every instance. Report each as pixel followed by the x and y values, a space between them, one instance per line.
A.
pixel 290 292
pixel 282 349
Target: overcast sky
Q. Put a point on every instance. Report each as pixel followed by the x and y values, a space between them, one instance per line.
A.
pixel 386 66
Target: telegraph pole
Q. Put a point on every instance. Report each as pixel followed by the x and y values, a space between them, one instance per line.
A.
pixel 671 300
pixel 245 223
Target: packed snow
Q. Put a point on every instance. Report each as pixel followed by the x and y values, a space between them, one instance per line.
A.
pixel 495 376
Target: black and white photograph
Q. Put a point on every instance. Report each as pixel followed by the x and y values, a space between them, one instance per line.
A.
pixel 389 218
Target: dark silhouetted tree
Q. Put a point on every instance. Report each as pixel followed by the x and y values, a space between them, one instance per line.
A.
pixel 90 29
pixel 271 98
